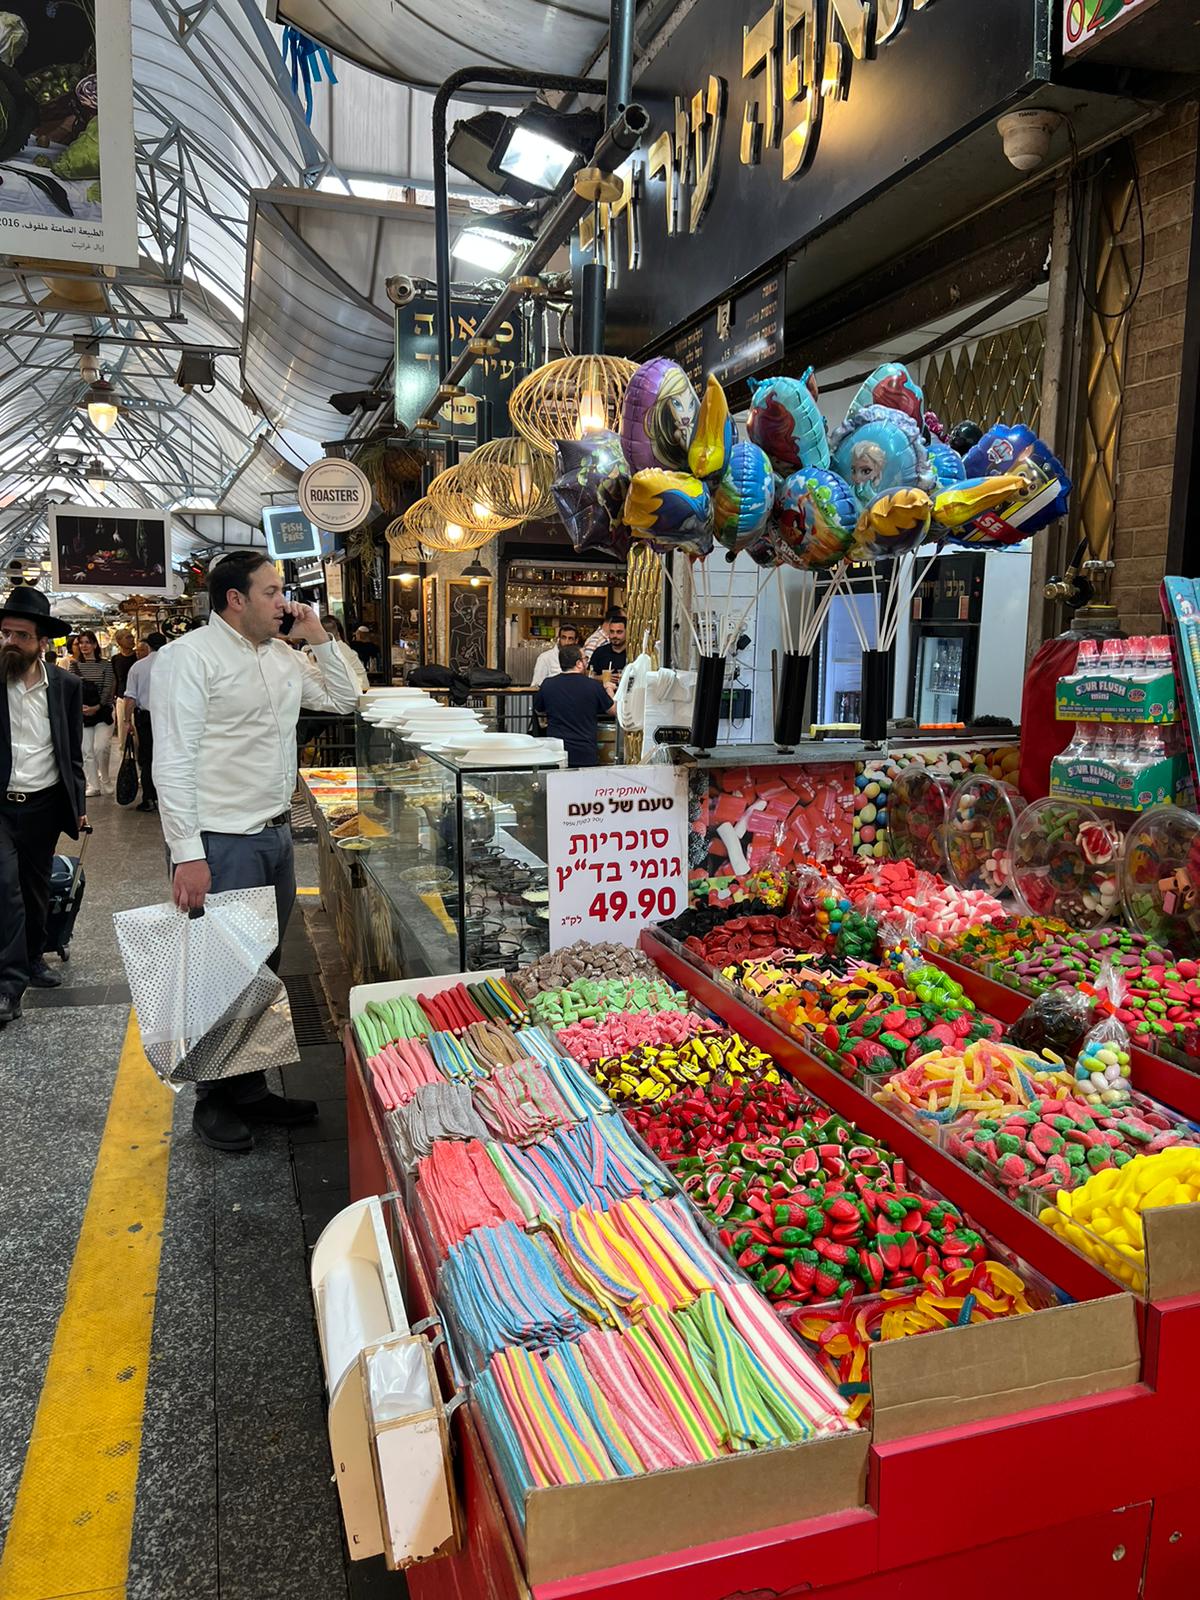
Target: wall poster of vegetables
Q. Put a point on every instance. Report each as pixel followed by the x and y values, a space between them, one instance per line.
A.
pixel 115 552
pixel 66 132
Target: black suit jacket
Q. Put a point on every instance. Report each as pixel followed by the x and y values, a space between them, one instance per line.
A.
pixel 64 701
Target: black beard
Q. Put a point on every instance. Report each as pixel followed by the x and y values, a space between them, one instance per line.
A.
pixel 15 663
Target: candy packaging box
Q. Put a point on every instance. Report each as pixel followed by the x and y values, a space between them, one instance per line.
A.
pixel 1101 698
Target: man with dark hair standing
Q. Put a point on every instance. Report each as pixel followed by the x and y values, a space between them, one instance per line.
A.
pixel 224 702
pixel 41 789
pixel 137 699
pixel 546 665
pixel 572 704
pixel 608 660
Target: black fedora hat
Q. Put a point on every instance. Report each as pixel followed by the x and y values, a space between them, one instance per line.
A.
pixel 34 607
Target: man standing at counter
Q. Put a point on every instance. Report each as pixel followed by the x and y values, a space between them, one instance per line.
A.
pixel 572 704
pixel 546 665
pixel 610 657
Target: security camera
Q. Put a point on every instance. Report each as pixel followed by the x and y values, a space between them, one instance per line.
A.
pixel 400 290
pixel 1027 136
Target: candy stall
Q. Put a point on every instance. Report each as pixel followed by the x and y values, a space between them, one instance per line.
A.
pixel 771 1253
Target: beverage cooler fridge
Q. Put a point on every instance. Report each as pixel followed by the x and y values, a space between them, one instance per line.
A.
pixel 965 654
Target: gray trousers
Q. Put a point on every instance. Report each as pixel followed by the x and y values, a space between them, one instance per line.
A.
pixel 251 861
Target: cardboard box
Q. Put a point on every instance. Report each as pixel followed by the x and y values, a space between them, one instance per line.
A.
pixel 1101 698
pixel 960 1375
pixel 578 1528
pixel 1103 783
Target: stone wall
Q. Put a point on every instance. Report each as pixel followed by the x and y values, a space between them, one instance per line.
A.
pixel 1166 153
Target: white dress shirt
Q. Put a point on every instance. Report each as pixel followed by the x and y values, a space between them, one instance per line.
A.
pixel 34 765
pixel 225 713
pixel 137 684
pixel 546 666
pixel 357 671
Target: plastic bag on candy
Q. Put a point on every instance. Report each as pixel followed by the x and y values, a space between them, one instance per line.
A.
pixel 207 1004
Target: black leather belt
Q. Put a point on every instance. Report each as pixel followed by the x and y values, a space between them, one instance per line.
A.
pixel 16 797
pixel 281 821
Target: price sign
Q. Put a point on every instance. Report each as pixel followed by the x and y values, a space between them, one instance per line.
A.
pixel 617 850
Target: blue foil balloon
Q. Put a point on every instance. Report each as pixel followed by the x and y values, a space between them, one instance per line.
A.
pixel 877 449
pixel 816 515
pixel 1018 449
pixel 893 386
pixel 743 498
pixel 671 509
pixel 947 464
pixel 786 422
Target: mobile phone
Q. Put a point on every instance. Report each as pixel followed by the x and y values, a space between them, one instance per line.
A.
pixel 288 623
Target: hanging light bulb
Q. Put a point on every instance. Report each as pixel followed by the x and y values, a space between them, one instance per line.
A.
pixel 102 407
pixel 454 533
pixel 482 510
pixel 593 416
pixel 94 473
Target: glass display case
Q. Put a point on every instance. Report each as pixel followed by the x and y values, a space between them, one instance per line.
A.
pixel 457 858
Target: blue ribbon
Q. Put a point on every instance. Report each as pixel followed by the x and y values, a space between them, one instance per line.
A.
pixel 307 60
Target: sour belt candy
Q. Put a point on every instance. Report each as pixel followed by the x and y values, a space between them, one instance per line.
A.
pixel 461 1191
pixel 437 1111
pixel 587 998
pixel 520 1103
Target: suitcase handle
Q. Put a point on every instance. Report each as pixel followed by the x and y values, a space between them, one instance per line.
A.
pixel 85 834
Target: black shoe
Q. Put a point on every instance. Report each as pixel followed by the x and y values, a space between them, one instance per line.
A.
pixel 275 1109
pixel 41 977
pixel 145 805
pixel 10 1009
pixel 220 1127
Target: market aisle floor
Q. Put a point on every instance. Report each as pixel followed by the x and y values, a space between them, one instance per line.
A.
pixel 233 1493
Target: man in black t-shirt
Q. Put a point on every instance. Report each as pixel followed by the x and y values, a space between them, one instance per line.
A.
pixel 611 657
pixel 572 704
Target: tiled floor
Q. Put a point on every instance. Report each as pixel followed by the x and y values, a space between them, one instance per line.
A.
pixel 234 1499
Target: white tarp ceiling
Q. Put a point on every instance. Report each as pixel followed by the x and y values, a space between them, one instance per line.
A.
pixel 422 42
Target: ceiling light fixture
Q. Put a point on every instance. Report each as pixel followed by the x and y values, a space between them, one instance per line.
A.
pixel 477 572
pixel 102 405
pixel 96 476
pixel 540 147
pixel 494 246
pixel 197 369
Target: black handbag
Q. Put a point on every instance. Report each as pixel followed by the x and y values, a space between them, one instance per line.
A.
pixel 127 773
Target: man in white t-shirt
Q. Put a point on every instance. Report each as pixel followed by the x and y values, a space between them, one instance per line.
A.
pixel 546 665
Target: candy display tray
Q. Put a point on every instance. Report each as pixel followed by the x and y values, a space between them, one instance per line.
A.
pixel 922 1509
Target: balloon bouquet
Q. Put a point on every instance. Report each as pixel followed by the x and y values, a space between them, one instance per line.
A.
pixel 884 483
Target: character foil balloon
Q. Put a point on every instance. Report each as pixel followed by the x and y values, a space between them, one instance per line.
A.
pixel 658 417
pixel 786 422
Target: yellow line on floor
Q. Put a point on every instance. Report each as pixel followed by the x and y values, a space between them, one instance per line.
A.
pixel 73 1520
pixel 308 891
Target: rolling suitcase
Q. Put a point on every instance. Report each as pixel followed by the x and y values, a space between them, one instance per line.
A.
pixel 67 882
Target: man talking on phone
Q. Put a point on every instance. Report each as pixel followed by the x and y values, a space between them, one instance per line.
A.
pixel 224 702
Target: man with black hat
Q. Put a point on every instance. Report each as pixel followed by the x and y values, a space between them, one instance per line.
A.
pixel 41 788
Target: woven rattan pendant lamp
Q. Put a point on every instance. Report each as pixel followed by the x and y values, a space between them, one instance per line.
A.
pixel 569 398
pixel 459 501
pixel 510 477
pixel 429 527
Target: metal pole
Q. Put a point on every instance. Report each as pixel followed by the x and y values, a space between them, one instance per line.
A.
pixel 620 58
pixel 591 310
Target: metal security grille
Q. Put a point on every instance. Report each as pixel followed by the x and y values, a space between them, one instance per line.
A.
pixel 997 378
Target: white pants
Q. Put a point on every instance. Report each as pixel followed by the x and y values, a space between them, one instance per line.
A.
pixel 97 737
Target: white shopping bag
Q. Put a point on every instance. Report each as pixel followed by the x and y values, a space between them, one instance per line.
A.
pixel 207 1004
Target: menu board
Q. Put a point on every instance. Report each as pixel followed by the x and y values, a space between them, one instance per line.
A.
pixel 739 336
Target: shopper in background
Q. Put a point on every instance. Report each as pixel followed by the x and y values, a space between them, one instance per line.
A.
pixel 365 649
pixel 122 660
pixel 224 702
pixel 608 659
pixel 338 634
pixel 137 703
pixel 98 693
pixel 546 665
pixel 572 704
pixel 41 789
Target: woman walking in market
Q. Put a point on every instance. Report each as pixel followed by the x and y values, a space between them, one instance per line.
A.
pixel 99 687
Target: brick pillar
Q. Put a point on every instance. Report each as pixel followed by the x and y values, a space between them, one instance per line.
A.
pixel 1166 154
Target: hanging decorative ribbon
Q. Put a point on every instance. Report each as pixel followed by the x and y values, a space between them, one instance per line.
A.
pixel 307 60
